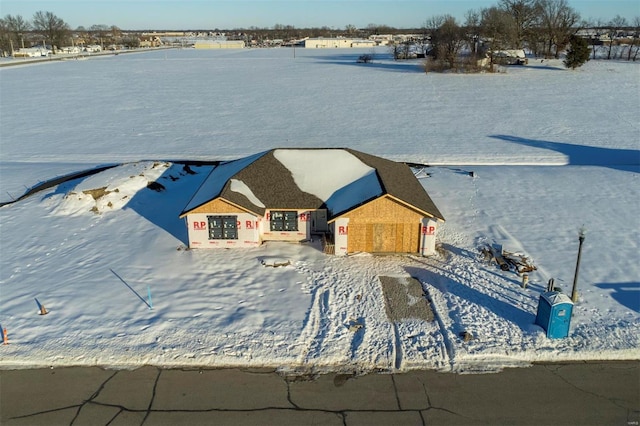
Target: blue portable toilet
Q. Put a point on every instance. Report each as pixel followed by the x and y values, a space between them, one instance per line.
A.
pixel 554 314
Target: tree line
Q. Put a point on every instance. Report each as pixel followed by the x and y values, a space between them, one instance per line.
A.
pixel 544 27
pixel 47 29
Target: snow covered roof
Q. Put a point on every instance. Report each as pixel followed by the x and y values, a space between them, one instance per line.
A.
pixel 212 185
pixel 335 179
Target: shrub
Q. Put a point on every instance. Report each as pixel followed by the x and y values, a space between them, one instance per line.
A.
pixel 578 52
pixel 365 59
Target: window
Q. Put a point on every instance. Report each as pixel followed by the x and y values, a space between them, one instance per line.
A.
pixel 223 227
pixel 284 221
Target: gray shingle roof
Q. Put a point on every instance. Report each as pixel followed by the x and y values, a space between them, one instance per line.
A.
pixel 399 181
pixel 273 184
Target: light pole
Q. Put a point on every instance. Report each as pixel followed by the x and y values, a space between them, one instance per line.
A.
pixel 574 291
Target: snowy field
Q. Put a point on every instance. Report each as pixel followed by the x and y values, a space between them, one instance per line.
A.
pixel 552 150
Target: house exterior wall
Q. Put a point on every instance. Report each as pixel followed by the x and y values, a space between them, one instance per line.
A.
pixel 217 206
pixel 248 226
pixel 341 235
pixel 428 237
pixel 303 232
pixel 252 229
pixel 383 226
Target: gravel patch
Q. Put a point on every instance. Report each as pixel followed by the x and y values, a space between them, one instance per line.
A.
pixel 405 299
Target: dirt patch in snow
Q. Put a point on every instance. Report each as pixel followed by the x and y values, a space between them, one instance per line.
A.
pixel 405 299
pixel 97 193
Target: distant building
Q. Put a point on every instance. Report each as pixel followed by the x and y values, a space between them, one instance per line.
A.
pixel 70 49
pixel 219 44
pixel 324 43
pixel 31 52
pixel 150 41
pixel 93 48
pixel 166 34
pixel 381 39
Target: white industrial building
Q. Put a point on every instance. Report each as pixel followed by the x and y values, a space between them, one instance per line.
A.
pixel 324 43
pixel 219 44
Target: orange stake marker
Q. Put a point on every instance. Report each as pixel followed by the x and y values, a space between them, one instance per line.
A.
pixel 43 310
pixel 5 337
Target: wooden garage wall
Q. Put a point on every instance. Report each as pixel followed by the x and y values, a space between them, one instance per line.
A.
pixel 217 206
pixel 384 225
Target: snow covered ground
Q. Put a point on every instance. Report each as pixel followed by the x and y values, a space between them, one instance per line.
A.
pixel 551 150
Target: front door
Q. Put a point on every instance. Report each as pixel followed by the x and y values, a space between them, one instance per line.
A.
pixel 319 221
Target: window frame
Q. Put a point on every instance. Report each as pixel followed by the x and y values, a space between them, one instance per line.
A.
pixel 283 221
pixel 222 231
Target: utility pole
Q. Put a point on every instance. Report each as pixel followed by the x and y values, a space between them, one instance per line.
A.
pixel 574 291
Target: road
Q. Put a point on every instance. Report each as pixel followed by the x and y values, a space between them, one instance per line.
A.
pixel 594 393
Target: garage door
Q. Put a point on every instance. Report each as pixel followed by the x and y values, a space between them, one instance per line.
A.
pixel 383 238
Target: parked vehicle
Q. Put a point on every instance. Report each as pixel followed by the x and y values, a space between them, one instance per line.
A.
pixel 510 57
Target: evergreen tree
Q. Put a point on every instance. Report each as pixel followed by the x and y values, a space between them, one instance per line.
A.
pixel 578 52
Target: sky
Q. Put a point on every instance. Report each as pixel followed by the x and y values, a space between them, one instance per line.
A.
pixel 229 14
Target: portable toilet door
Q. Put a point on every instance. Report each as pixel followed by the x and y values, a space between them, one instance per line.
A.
pixel 554 314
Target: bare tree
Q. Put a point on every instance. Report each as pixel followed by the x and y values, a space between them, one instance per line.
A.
pixel 116 33
pixel 557 23
pixel 525 16
pixel 595 27
pixel 17 26
pixel 350 29
pixel 52 28
pixel 615 25
pixel 422 42
pixel 499 30
pixel 98 33
pixel 375 29
pixel 6 45
pixel 12 32
pixel 396 50
pixel 472 28
pixel 635 41
pixel 447 38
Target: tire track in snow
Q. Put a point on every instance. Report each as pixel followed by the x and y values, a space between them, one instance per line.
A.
pixel 439 307
pixel 488 304
pixel 317 325
pixel 397 347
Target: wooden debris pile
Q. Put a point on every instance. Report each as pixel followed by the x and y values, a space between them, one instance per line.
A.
pixel 508 260
pixel 520 262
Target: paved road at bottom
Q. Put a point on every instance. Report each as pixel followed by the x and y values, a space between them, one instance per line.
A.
pixel 594 393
